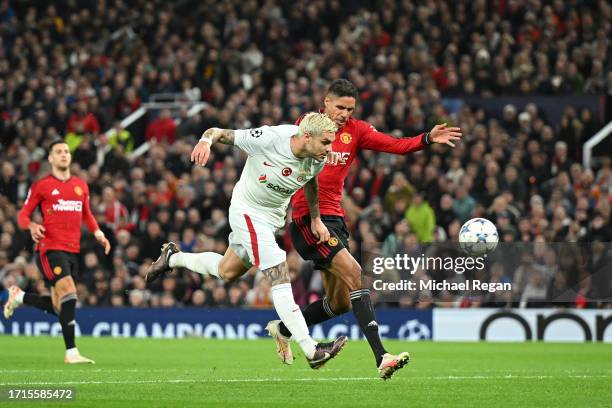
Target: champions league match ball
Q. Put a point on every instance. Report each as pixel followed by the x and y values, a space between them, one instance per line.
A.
pixel 478 236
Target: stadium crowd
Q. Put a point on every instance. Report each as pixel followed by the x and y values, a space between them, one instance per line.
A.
pixel 73 71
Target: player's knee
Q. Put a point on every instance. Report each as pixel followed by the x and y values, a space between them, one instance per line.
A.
pixel 353 279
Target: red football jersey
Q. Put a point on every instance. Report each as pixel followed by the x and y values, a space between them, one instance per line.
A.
pixel 356 135
pixel 64 205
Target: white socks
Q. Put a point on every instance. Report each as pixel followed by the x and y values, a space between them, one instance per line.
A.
pixel 19 296
pixel 291 315
pixel 73 352
pixel 204 263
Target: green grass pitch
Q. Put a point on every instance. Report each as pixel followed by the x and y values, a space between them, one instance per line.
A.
pixel 203 373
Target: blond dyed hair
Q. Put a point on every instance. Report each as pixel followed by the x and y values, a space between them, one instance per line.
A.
pixel 315 124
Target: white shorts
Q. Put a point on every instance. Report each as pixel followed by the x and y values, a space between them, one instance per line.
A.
pixel 253 240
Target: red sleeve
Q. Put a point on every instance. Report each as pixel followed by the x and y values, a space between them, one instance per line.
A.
pixel 32 201
pixel 372 139
pixel 88 217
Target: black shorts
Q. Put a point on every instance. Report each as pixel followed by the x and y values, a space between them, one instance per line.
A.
pixel 305 242
pixel 55 265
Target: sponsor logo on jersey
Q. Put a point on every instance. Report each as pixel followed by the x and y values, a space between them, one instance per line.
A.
pixel 263 178
pixel 344 156
pixel 78 190
pixel 346 138
pixel 279 189
pixel 333 241
pixel 55 192
pixel 255 132
pixel 68 205
pixel 57 270
pixel 287 171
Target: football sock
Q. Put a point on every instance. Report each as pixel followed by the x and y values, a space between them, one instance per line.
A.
pixel 315 313
pixel 43 303
pixel 292 317
pixel 204 263
pixel 66 319
pixel 364 313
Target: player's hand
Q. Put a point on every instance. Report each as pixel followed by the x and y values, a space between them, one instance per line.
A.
pixel 333 158
pixel 37 231
pixel 445 135
pixel 104 242
pixel 200 153
pixel 319 230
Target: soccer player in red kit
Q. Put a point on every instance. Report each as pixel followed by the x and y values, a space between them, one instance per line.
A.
pixel 342 273
pixel 64 203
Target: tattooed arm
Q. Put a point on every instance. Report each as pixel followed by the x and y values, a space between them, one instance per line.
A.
pixel 201 151
pixel 311 191
pixel 216 135
pixel 278 274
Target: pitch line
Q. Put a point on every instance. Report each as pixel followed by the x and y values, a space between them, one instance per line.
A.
pixel 262 380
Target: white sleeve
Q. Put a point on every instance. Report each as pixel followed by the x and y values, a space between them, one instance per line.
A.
pixel 256 140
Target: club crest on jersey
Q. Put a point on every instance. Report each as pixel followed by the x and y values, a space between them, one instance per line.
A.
pixel 346 138
pixel 263 178
pixel 255 132
pixel 300 179
pixel 78 190
pixel 287 171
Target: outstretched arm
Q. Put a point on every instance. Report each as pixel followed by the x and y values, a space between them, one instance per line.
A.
pixel 372 139
pixel 311 191
pixel 201 151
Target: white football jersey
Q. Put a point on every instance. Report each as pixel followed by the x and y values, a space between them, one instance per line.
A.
pixel 272 174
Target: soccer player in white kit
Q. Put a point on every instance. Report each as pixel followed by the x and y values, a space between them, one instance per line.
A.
pixel 281 160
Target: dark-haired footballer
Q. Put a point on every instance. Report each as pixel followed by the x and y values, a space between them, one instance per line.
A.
pixel 64 203
pixel 342 274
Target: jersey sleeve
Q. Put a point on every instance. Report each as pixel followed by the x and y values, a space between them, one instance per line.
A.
pixel 32 201
pixel 256 140
pixel 372 139
pixel 88 217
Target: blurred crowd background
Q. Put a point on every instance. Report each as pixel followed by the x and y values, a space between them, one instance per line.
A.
pixel 75 69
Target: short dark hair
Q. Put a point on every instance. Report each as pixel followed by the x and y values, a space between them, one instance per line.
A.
pixel 53 143
pixel 343 87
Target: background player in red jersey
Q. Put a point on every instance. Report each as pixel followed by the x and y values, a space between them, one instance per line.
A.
pixel 64 203
pixel 342 277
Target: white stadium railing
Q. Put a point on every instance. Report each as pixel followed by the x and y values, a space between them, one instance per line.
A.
pixel 587 149
pixel 194 108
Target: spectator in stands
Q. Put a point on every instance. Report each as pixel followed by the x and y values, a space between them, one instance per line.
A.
pixel 421 218
pixel 162 129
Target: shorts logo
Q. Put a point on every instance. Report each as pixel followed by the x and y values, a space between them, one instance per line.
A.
pixel 263 179
pixel 255 132
pixel 287 171
pixel 346 138
pixel 333 241
pixel 78 190
pixel 57 270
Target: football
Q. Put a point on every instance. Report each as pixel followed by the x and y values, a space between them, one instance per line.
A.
pixel 478 236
